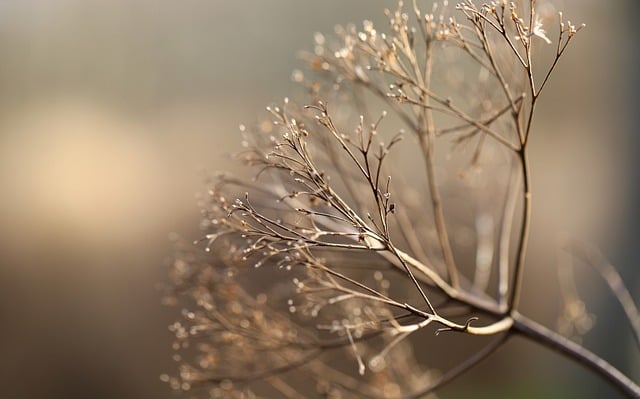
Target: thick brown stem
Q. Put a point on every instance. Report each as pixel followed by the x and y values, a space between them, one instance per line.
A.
pixel 524 232
pixel 556 342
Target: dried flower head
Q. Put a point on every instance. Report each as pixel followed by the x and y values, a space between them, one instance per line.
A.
pixel 319 271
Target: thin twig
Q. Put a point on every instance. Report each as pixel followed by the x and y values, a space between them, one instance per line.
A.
pixel 611 276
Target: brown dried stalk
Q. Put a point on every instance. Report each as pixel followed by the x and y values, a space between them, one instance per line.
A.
pixel 371 248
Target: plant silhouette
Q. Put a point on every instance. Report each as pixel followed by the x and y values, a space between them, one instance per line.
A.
pixel 323 274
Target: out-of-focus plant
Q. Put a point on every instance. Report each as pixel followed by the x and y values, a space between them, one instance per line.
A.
pixel 317 276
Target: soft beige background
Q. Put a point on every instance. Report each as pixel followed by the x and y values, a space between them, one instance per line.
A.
pixel 109 110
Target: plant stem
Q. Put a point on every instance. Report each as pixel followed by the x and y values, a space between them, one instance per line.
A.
pixel 427 142
pixel 556 342
pixel 524 230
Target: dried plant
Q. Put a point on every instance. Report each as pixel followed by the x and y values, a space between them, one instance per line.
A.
pixel 316 279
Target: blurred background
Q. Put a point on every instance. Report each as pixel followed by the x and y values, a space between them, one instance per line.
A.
pixel 111 110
